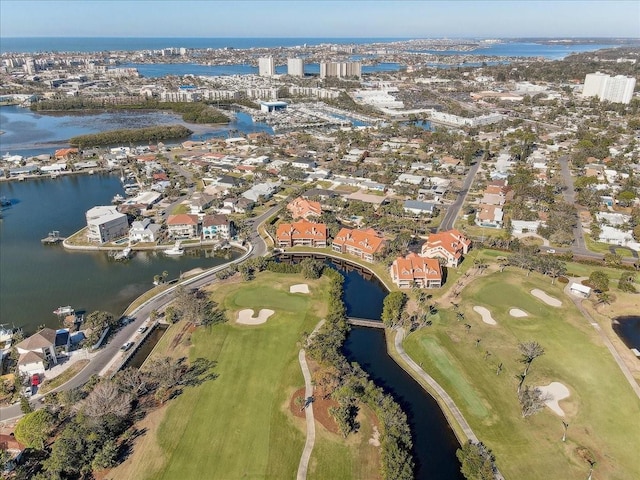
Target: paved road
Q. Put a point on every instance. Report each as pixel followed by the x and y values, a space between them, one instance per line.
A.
pixel 107 353
pixel 452 212
pixel 308 412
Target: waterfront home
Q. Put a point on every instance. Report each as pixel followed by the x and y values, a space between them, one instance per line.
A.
pixel 450 246
pixel 216 226
pixel 303 208
pixel 301 233
pixel 363 244
pixel 105 224
pixel 144 231
pixel 414 270
pixel 199 202
pixel 37 352
pixel 183 226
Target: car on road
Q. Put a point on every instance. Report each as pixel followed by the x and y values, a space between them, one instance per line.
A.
pixel 551 250
pixel 126 346
pixel 142 329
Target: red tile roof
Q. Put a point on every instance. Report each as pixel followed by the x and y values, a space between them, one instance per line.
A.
pixel 413 267
pixel 302 230
pixel 182 219
pixel 367 241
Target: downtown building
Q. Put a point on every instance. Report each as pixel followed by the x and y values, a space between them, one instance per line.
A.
pixel 618 89
pixel 340 69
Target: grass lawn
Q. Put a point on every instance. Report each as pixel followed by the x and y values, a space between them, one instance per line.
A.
pixel 602 411
pixel 239 425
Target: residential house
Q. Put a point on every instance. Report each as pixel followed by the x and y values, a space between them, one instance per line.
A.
pixel 183 226
pixel 13 449
pixel 303 233
pixel 303 208
pixel 200 202
pixel 489 216
pixel 363 244
pixel 216 226
pixel 417 207
pixel 414 270
pixel 450 246
pixel 262 190
pixel 37 352
pixel 304 163
pixel 144 231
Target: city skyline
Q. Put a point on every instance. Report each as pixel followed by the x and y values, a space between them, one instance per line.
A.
pixel 374 19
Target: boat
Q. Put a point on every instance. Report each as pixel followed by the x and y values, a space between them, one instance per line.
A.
pixel 117 198
pixel 68 310
pixel 175 250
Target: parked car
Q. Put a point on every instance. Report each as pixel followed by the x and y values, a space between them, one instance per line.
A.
pixel 126 346
pixel 142 329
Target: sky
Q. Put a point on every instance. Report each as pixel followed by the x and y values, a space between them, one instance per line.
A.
pixel 320 18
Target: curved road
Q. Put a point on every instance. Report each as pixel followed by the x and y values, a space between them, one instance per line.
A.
pixel 100 361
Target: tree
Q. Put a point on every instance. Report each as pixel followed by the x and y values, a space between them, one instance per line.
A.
pixel 477 462
pixel 25 406
pixel 599 280
pixel 34 428
pixel 532 400
pixel 105 399
pixel 107 457
pixel 311 269
pixel 529 351
pixel 392 308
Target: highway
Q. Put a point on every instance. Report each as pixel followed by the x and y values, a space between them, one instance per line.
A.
pixel 106 355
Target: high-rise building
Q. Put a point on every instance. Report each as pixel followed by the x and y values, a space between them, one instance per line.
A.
pixel 618 89
pixel 266 67
pixel 340 69
pixel 295 67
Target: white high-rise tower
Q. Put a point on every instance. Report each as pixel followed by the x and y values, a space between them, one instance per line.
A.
pixel 266 67
pixel 295 67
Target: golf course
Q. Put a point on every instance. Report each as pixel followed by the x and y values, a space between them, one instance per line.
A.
pixel 240 425
pixel 472 351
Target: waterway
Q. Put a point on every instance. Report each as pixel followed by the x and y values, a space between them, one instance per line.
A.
pixel 628 329
pixel 148 345
pixel 35 279
pixel 155 70
pixel 29 133
pixel 434 442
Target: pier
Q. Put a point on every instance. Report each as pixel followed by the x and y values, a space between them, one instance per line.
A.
pixel 53 238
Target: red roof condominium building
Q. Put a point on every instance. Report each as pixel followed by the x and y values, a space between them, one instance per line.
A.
pixel 414 270
pixel 363 244
pixel 449 245
pixel 301 207
pixel 302 233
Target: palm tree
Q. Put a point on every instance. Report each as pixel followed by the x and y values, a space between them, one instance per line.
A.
pixel 165 274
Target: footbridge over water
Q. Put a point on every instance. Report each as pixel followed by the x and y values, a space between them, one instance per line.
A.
pixel 364 322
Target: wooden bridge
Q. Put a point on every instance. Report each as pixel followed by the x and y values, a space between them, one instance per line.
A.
pixel 363 322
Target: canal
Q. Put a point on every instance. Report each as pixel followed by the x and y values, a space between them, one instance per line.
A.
pixel 435 444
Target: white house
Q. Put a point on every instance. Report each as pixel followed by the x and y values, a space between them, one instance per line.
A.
pixel 37 352
pixel 144 231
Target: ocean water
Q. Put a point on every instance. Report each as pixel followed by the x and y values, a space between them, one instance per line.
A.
pixel 97 44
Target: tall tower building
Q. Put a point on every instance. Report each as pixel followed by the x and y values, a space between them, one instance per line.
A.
pixel 295 67
pixel 266 67
pixel 618 89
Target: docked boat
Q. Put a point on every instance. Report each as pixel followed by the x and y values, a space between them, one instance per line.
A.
pixel 175 250
pixel 68 310
pixel 117 198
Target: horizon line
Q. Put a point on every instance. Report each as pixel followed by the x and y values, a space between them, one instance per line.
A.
pixel 353 37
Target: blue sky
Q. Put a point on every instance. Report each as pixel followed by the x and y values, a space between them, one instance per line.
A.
pixel 320 18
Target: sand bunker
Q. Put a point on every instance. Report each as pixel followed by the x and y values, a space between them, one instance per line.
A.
pixel 299 288
pixel 486 315
pixel 558 392
pixel 548 299
pixel 516 312
pixel 245 317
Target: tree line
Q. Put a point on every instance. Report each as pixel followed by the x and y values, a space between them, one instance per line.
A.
pixel 131 135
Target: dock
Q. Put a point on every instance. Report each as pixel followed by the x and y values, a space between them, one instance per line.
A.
pixel 52 238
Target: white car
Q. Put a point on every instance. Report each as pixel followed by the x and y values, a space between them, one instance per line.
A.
pixel 126 346
pixel 142 329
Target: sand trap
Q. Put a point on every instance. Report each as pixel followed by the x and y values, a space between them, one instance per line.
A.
pixel 486 315
pixel 246 317
pixel 548 299
pixel 558 392
pixel 516 312
pixel 299 288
